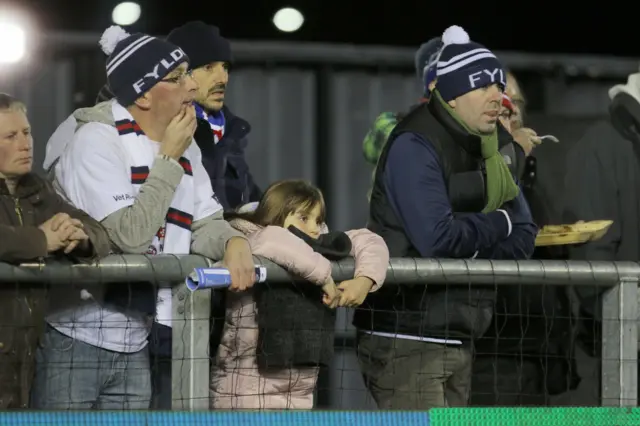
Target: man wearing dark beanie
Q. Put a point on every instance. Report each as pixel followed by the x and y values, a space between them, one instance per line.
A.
pixel 443 188
pixel 221 136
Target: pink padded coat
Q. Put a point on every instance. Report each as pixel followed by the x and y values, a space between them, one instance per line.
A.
pixel 236 383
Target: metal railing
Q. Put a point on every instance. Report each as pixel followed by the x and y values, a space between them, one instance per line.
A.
pixel 191 310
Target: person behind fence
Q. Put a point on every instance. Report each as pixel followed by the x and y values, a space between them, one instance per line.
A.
pixel 602 182
pixel 443 188
pixel 277 335
pixel 36 225
pixel 516 95
pixel 132 164
pixel 506 112
pixel 221 135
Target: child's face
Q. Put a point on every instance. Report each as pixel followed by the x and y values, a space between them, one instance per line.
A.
pixel 307 222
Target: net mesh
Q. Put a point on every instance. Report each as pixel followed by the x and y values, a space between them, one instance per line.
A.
pixel 516 368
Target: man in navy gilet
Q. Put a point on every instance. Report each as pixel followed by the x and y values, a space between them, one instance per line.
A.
pixel 431 198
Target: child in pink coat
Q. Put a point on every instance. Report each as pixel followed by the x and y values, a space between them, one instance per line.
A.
pixel 236 380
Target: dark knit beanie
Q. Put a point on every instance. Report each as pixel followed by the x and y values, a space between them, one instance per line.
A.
pixel 464 66
pixel 203 43
pixel 426 60
pixel 137 62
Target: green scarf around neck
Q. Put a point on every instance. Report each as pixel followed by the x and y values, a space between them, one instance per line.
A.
pixel 500 184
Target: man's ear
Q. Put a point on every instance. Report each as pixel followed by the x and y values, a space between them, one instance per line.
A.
pixel 452 103
pixel 144 101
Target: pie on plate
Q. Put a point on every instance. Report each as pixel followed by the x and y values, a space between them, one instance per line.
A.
pixel 576 233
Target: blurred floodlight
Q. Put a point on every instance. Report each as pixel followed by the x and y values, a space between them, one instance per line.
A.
pixel 126 13
pixel 12 42
pixel 288 19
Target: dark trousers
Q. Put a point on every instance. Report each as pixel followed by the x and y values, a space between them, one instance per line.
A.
pixel 587 393
pixel 160 359
pixel 160 383
pixel 507 381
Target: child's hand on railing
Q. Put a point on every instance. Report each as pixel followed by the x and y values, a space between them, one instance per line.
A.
pixel 353 292
pixel 331 296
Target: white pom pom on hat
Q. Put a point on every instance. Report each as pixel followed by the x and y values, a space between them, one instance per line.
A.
pixel 455 35
pixel 249 207
pixel 111 37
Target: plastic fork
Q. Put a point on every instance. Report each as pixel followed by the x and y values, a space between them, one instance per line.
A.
pixel 549 137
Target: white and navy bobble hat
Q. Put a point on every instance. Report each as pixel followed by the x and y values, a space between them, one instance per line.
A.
pixel 464 66
pixel 137 62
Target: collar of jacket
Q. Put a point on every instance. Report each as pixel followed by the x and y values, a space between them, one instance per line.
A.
pixel 334 245
pixel 234 136
pixel 234 127
pixel 470 143
pixel 27 186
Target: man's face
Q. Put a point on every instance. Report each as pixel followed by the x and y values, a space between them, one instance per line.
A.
pixel 480 108
pixel 505 117
pixel 172 93
pixel 16 144
pixel 506 112
pixel 514 92
pixel 212 80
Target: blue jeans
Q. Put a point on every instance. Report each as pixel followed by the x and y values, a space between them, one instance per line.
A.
pixel 72 375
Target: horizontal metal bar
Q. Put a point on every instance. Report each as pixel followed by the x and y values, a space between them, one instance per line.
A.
pixel 488 272
pixel 114 268
pixel 172 268
pixel 379 56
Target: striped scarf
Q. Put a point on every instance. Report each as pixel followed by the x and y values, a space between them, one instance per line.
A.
pixel 175 235
pixel 216 121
